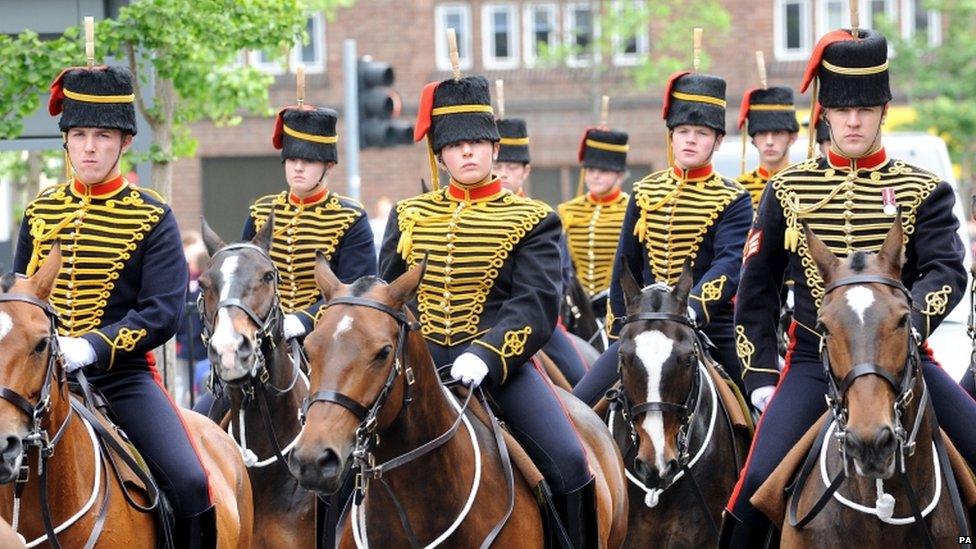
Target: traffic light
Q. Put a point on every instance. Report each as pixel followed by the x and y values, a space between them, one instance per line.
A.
pixel 379 105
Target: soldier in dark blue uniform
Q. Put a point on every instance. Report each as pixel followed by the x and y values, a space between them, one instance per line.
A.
pixel 593 219
pixel 121 289
pixel 848 198
pixel 513 165
pixel 490 295
pixel 768 117
pixel 685 213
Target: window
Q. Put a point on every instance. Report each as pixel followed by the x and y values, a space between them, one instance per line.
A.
pixel 833 15
pixel 791 29
pixel 499 36
pixel 457 17
pixel 540 29
pixel 916 20
pixel 581 34
pixel 312 53
pixel 871 10
pixel 633 48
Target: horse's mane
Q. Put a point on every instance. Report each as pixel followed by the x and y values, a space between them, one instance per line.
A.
pixel 363 284
pixel 7 281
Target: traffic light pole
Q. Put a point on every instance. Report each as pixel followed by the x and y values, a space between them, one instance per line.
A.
pixel 351 118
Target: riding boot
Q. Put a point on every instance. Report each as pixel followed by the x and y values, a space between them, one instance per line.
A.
pixel 737 534
pixel 198 531
pixel 577 511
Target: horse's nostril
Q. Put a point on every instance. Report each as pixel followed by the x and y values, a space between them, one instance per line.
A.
pixel 12 448
pixel 670 467
pixel 884 440
pixel 245 348
pixel 328 463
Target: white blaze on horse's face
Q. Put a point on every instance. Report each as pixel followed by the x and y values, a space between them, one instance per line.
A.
pixel 653 349
pixel 859 299
pixel 5 325
pixel 344 325
pixel 225 340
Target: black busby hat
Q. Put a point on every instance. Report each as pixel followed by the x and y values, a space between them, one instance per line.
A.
pixel 514 143
pixel 306 132
pixel 455 110
pixel 852 73
pixel 97 97
pixel 604 149
pixel 768 110
pixel 695 99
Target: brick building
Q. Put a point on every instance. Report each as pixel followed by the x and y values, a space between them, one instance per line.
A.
pixel 503 39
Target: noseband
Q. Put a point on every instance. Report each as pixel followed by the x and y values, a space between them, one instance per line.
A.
pixel 268 327
pixel 38 436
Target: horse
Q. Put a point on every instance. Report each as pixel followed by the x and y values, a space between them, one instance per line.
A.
pixel 681 450
pixel 379 403
pixel 263 383
pixel 576 312
pixel 71 497
pixel 903 492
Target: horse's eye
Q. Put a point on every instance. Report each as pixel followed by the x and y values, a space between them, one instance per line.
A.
pixel 41 346
pixel 384 353
pixel 269 277
pixel 903 321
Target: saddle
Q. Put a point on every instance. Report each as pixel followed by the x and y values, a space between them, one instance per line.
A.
pixel 771 498
pixel 731 396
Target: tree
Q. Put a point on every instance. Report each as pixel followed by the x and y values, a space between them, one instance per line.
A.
pixel 940 80
pixel 184 52
pixel 620 22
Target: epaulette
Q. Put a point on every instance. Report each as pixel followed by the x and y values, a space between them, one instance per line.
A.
pixel 153 195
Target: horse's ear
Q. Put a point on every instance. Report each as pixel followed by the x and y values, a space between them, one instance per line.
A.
pixel 891 257
pixel 404 288
pixel 263 238
pixel 424 187
pixel 682 289
pixel 825 259
pixel 43 279
pixel 211 239
pixel 630 287
pixel 328 283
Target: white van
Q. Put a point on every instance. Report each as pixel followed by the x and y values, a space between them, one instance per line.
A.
pixel 949 342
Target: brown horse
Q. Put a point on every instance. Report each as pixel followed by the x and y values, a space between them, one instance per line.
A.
pixel 38 416
pixel 881 418
pixel 446 482
pixel 263 382
pixel 681 451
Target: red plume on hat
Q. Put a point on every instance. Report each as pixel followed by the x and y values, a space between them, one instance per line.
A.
pixel 813 66
pixel 745 106
pixel 667 92
pixel 424 112
pixel 582 146
pixel 55 104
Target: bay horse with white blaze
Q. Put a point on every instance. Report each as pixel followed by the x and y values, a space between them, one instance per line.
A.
pixel 431 471
pixel 902 492
pixel 64 462
pixel 262 381
pixel 679 445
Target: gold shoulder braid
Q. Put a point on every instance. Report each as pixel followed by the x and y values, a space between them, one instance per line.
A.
pixel 466 245
pixel 845 209
pixel 97 238
pixel 755 184
pixel 592 233
pixel 300 231
pixel 674 218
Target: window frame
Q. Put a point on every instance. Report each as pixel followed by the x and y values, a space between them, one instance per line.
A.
pixel 442 58
pixel 290 62
pixel 489 60
pixel 908 29
pixel 530 53
pixel 642 38
pixel 780 49
pixel 569 36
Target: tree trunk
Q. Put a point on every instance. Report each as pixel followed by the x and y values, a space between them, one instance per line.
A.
pixel 164 100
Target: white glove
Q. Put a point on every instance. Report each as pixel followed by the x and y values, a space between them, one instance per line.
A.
pixel 293 327
pixel 76 352
pixel 760 397
pixel 469 369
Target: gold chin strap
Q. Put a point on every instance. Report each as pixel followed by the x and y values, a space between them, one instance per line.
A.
pixel 745 132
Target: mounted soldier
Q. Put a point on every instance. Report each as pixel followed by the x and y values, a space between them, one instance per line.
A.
pixel 840 197
pixel 489 296
pixel 687 212
pixel 121 290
